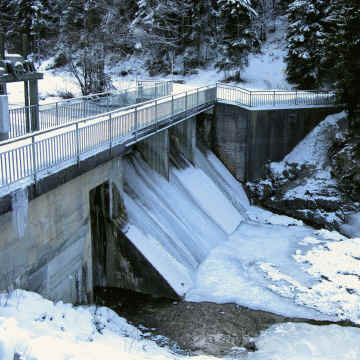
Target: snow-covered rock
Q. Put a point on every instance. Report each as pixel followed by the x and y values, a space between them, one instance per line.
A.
pixel 319 181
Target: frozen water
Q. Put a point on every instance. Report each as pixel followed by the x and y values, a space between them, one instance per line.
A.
pixel 200 232
pixel 178 218
pixel 20 205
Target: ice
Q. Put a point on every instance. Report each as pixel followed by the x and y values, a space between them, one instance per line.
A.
pixel 183 225
pixel 20 205
pixel 233 272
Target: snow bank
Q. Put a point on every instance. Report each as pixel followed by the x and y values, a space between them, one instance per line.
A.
pixel 313 149
pixel 303 341
pixel 38 329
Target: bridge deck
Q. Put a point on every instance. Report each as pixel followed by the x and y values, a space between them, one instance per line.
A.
pixel 27 158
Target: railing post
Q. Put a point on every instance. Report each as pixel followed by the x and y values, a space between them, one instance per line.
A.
pixel 186 101
pixel 77 143
pixel 135 120
pixel 296 95
pixel 33 146
pixel 108 102
pixel 197 96
pixel 156 115
pixel 274 102
pixel 250 99
pixel 57 114
pixel 172 106
pixel 110 132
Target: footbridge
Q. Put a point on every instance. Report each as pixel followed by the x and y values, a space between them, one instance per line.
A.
pixel 56 182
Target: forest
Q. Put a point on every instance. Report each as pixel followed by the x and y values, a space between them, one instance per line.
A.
pixel 181 36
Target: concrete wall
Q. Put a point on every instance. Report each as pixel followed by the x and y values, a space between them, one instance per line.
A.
pixel 155 151
pixel 246 139
pixel 46 243
pixel 117 263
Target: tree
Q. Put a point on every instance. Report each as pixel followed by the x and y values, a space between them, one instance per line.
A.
pixel 238 38
pixel 342 55
pixel 306 37
pixel 83 36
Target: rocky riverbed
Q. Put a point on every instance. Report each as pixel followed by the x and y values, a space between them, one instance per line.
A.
pixel 194 328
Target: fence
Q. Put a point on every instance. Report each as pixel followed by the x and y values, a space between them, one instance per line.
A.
pixel 237 95
pixel 30 155
pixel 67 111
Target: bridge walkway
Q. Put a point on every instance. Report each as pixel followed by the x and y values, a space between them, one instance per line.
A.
pixel 25 159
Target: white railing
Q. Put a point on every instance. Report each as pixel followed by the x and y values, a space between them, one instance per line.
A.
pixel 33 155
pixel 67 111
pixel 270 98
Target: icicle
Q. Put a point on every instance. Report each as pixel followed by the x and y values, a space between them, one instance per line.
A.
pixel 20 204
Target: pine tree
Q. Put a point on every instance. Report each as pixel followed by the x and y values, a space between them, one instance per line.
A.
pixel 342 55
pixel 83 35
pixel 238 38
pixel 306 36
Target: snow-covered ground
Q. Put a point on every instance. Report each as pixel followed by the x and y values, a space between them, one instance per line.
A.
pixel 37 329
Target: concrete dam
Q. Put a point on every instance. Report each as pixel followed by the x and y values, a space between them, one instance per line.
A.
pixel 144 215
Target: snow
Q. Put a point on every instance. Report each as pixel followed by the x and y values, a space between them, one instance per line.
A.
pixel 225 250
pixel 210 248
pixel 38 329
pixel 352 227
pixel 293 341
pixel 313 149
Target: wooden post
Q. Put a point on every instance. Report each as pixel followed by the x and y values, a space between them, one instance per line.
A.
pixel 34 103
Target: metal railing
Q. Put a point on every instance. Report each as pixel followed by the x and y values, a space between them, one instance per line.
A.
pixel 272 98
pixel 67 111
pixel 43 151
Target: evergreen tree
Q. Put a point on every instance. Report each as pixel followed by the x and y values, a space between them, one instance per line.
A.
pixel 306 36
pixel 342 55
pixel 238 38
pixel 83 35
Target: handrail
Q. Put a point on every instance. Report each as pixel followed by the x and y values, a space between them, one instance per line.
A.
pixel 257 98
pixel 30 154
pixel 52 114
pixel 84 97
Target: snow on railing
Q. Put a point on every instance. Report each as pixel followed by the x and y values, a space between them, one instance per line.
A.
pixel 31 155
pixel 67 111
pixel 273 98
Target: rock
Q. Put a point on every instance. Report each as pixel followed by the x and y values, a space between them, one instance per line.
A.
pixel 345 160
pixel 206 328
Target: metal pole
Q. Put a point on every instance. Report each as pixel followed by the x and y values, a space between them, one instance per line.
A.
pixel 57 114
pixel 197 95
pixel 135 120
pixel 186 101
pixel 110 132
pixel 33 156
pixel 274 97
pixel 77 144
pixel 156 115
pixel 296 95
pixel 172 106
